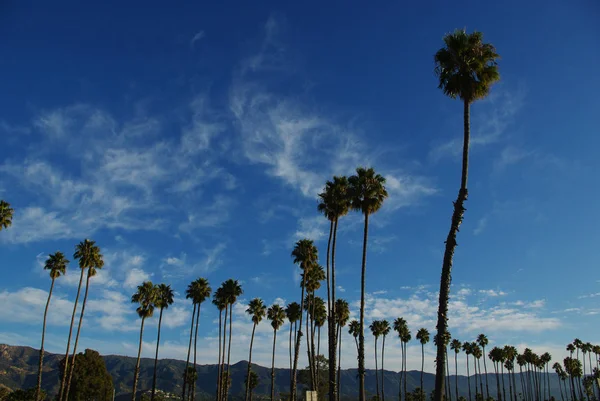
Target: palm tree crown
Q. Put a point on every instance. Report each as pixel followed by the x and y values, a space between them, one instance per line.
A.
pixel 56 264
pixel 334 201
pixel 276 314
pixel 164 296
pixel 89 256
pixel 6 215
pixel 145 296
pixel 257 310
pixel 367 190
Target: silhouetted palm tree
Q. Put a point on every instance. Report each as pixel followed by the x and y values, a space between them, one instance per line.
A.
pixel 423 337
pixel 376 331
pixel 257 310
pixel 145 297
pixel 384 331
pixel 466 68
pixel 276 315
pixel 57 266
pixel 90 258
pixel 293 313
pixel 467 350
pixel 164 299
pixel 482 340
pixel 219 302
pixel 399 327
pixel 252 382
pixel 342 312
pixel 231 290
pixel 6 215
pixel 367 193
pixel 456 345
pixel 320 317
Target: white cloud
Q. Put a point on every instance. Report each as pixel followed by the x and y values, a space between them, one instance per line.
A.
pixel 198 36
pixel 492 293
pixel 179 267
pixel 481 225
pixel 135 277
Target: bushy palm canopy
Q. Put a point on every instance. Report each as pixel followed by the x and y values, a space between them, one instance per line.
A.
pixel 145 296
pixel 334 201
pixel 89 256
pixel 305 254
pixel 198 290
pixel 466 67
pixel 375 328
pixel 231 291
pixel 164 296
pixel 342 311
pixel 423 335
pixel 56 264
pixel 218 299
pixel 367 190
pixel 456 345
pixel 320 312
pixel 482 340
pixel 384 327
pixel 6 215
pixel 276 314
pixel 314 277
pixel 293 312
pixel 354 328
pixel 257 310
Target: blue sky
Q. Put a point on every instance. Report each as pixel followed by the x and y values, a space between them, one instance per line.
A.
pixel 192 140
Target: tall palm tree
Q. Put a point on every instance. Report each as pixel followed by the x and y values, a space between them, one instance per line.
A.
pixel 276 315
pixel 467 349
pixel 189 294
pixel 232 290
pixel 293 313
pixel 545 359
pixel 334 203
pixel 456 346
pixel 219 302
pixel 145 297
pixel 353 329
pixel 164 299
pixel 423 337
pixel 257 310
pixel 6 215
pixel 313 283
pixel 399 326
pixel 376 331
pixel 466 68
pixel 367 193
pixel 200 292
pixel 385 330
pixel 482 340
pixel 475 350
pixel 320 317
pixel 56 264
pixel 559 373
pixel 405 337
pixel 305 255
pixel 342 314
pixel 90 258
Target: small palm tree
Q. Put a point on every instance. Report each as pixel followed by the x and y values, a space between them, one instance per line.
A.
pixel 164 299
pixel 342 313
pixel 320 317
pixel 466 68
pixel 467 348
pixel 482 340
pixel 90 258
pixel 6 215
pixel 252 381
pixel 306 256
pixel 384 331
pixel 276 315
pixel 376 331
pixel 399 327
pixel 56 264
pixel 353 329
pixel 293 313
pixel 231 290
pixel 367 193
pixel 423 337
pixel 200 292
pixel 145 297
pixel 257 310
pixel 456 346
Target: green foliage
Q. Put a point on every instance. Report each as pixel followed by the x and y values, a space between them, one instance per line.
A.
pixel 323 368
pixel 6 215
pixel 22 395
pixel 91 380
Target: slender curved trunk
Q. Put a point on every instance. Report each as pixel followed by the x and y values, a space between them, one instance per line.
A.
pixel 136 372
pixel 512 373
pixel 487 387
pixel 227 377
pixel 312 343
pixel 273 367
pixel 560 386
pixel 456 370
pixel 187 361
pixel 457 217
pixel 510 389
pixel 469 379
pixel 41 362
pixel 333 335
pixel 297 346
pixel 523 392
pixel 318 353
pixel 85 295
pixel 382 370
pixel 339 370
pixel 308 344
pixel 376 371
pixel 475 370
pixel 422 367
pixel 156 355
pixel 400 378
pixel 503 385
pixel 497 381
pixel 290 350
pixel 361 333
pixel 480 378
pixel 219 362
pixel 448 390
pixel 195 376
pixel 66 369
pixel 572 388
pixel 222 390
pixel 405 373
pixel 250 361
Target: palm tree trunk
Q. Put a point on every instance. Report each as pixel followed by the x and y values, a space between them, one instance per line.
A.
pixel 480 378
pixel 227 377
pixel 448 390
pixel 573 388
pixel 456 377
pixel 401 371
pixel 475 370
pixel 250 361
pixel 422 367
pixel 85 295
pixel 382 371
pixel 195 376
pixel 297 346
pixel 405 373
pixel 312 344
pixel 41 362
pixel 156 355
pixel 560 386
pixel 512 372
pixel 361 333
pixel 376 371
pixel 510 386
pixel 64 378
pixel 469 379
pixel 222 391
pixel 219 362
pixel 339 368
pixel 318 353
pixel 487 387
pixel 136 373
pixel 308 344
pixel 273 367
pixel 333 387
pixel 497 381
pixel 457 217
pixel 290 350
pixel 187 361
pixel 503 386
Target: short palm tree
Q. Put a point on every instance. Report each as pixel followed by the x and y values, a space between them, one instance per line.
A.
pixel 306 256
pixel 145 297
pixel 334 203
pixel 466 68
pixel 384 331
pixel 342 313
pixel 276 314
pixel 164 299
pixel 231 290
pixel 257 310
pixel 56 264
pixel 293 314
pixel 90 258
pixel 423 337
pixel 376 331
pixel 456 346
pixel 367 193
pixel 6 215
pixel 482 340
